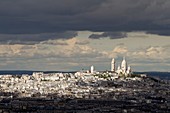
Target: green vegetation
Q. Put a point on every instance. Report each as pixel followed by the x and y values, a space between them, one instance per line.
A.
pixel 121 75
pixel 103 75
pixel 135 75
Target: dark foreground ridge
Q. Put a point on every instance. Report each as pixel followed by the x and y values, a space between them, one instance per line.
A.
pixel 144 96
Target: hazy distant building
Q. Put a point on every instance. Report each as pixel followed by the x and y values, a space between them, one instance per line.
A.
pixel 129 71
pixel 113 65
pixel 124 66
pixel 92 69
pixel 38 75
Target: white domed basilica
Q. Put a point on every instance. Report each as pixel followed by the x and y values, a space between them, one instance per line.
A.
pixel 122 69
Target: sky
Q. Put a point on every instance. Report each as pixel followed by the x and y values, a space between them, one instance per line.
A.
pixel 70 35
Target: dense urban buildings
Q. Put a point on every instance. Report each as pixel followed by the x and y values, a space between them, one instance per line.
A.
pixel 85 91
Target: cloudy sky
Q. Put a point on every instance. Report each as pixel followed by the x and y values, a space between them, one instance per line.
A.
pixel 71 35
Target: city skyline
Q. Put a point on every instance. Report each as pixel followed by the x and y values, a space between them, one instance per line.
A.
pixel 73 35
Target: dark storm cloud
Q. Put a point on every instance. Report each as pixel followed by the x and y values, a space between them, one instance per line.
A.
pixel 111 35
pixel 45 16
pixel 39 16
pixel 34 38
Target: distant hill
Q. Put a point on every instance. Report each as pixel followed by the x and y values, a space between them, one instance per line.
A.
pixel 29 72
pixel 161 75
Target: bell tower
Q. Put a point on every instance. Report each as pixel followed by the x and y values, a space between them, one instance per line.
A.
pixel 113 65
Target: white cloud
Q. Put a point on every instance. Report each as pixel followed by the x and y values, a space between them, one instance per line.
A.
pixel 10 50
pixel 69 53
pixel 66 48
pixel 153 52
pixel 120 49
